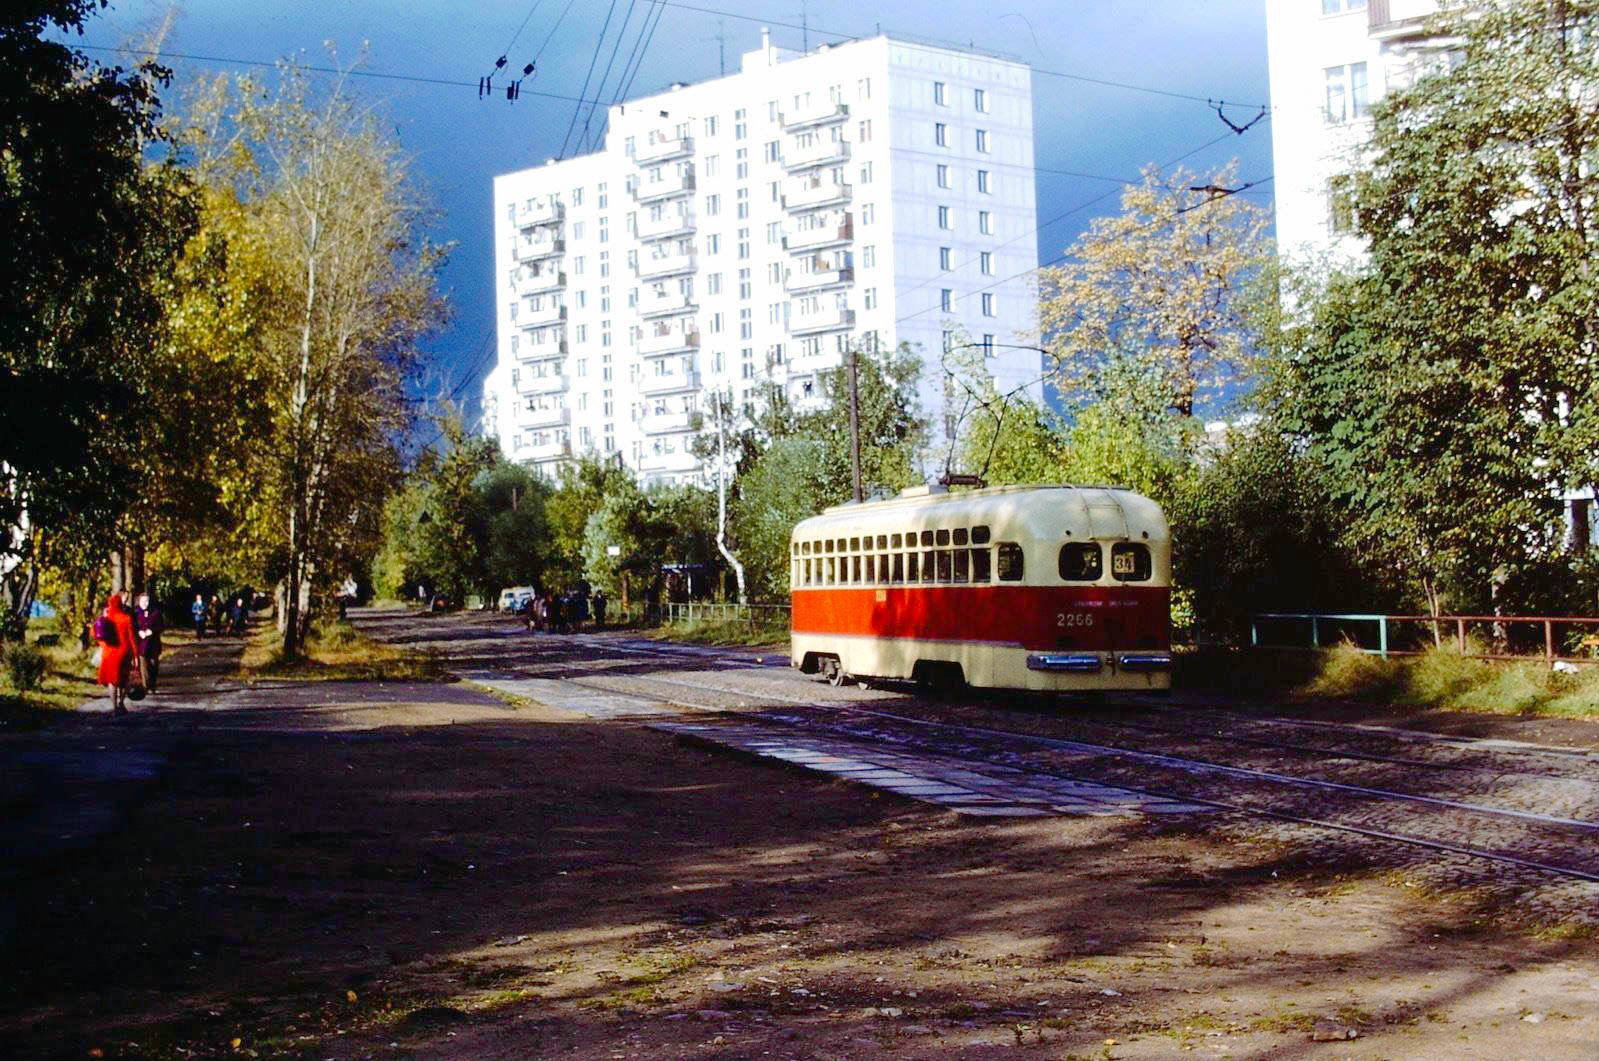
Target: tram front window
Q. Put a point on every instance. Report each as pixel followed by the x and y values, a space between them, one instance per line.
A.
pixel 1130 562
pixel 1009 561
pixel 1081 562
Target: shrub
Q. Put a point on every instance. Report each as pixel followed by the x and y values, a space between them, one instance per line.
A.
pixel 1347 673
pixel 1441 675
pixel 25 666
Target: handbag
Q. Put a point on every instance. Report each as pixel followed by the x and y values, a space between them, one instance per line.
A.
pixel 105 630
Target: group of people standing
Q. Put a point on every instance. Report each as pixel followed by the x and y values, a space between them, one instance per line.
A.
pixel 558 613
pixel 129 645
pixel 213 614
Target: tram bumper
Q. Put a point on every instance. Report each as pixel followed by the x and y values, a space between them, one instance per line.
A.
pixel 1067 662
pixel 1144 661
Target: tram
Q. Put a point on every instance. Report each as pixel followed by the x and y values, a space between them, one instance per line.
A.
pixel 1052 588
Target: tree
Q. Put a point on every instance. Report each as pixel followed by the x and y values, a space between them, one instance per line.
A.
pixel 346 289
pixel 88 226
pixel 1166 285
pixel 581 486
pixel 1451 384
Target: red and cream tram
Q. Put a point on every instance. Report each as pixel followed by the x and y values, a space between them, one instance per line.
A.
pixel 1062 588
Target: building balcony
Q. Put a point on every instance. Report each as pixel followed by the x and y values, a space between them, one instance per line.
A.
pixel 532 280
pixel 668 186
pixel 818 279
pixel 823 236
pixel 826 319
pixel 815 114
pixel 530 384
pixel 654 267
pixel 652 305
pixel 536 250
pixel 671 225
pixel 668 341
pixel 681 461
pixel 543 212
pixel 667 423
pixel 661 150
pixel 549 451
pixel 552 416
pixel 542 317
pixel 810 194
pixel 822 153
pixel 669 383
pixel 542 351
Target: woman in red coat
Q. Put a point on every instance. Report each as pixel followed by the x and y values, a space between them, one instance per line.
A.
pixel 114 632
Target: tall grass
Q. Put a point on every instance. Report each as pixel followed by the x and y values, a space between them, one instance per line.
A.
pixel 1443 677
pixel 336 651
pixel 766 629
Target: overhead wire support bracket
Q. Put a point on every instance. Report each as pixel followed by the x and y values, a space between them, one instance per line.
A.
pixel 1219 104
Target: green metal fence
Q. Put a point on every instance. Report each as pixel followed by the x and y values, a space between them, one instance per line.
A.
pixel 1397 635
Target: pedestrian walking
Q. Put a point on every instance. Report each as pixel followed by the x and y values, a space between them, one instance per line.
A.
pixel 556 623
pixel 599 609
pixel 236 617
pixel 197 609
pixel 149 625
pixel 215 613
pixel 113 631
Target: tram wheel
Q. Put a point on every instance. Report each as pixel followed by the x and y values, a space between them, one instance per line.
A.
pixel 833 671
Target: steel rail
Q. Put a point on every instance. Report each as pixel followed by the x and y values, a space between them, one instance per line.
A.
pixel 1177 762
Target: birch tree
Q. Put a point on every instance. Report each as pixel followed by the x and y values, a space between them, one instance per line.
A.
pixel 345 288
pixel 1165 285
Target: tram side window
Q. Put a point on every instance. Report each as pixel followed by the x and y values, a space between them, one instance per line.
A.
pixel 899 566
pixel 944 567
pixel 882 542
pixel 805 571
pixel 982 565
pixel 980 534
pixel 1081 562
pixel 942 537
pixel 896 542
pixel 960 535
pixel 927 565
pixel 871 568
pixel 911 568
pixel 1129 562
pixel 832 561
pixel 856 569
pixel 963 569
pixel 927 537
pixel 1009 562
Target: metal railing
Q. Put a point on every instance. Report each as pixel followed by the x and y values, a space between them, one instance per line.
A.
pixel 708 611
pixel 1397 635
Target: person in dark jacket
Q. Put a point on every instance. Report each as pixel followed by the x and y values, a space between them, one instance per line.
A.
pixel 599 609
pixel 197 610
pixel 148 627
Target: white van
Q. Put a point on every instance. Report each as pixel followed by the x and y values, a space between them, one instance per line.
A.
pixel 515 598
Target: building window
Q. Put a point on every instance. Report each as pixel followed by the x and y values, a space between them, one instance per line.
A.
pixel 946 258
pixel 943 217
pixel 1340 206
pixel 985 222
pixel 985 263
pixel 980 100
pixel 940 134
pixel 871 298
pixel 943 175
pixel 713 205
pixel 988 344
pixel 949 341
pixel 713 284
pixel 946 298
pixel 866 173
pixel 868 213
pixel 983 184
pixel 988 304
pixel 1338 7
pixel 740 128
pixel 869 256
pixel 773 151
pixel 864 132
pixel 1346 92
pixel 940 94
pixel 710 125
pixel 982 141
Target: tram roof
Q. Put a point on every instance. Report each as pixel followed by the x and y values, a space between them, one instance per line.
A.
pixel 925 496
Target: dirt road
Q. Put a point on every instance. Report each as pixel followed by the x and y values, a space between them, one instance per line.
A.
pixel 368 870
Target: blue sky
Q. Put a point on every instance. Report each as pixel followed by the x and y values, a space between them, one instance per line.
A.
pixel 459 142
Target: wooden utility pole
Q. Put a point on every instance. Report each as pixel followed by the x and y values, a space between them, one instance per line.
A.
pixel 855 423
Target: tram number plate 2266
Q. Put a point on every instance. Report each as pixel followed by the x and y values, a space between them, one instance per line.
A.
pixel 1064 619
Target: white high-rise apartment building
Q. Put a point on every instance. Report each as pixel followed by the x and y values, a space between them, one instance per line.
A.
pixel 751 229
pixel 1329 61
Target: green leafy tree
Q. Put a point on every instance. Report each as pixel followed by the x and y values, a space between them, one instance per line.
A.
pixel 581 486
pixel 81 307
pixel 1450 384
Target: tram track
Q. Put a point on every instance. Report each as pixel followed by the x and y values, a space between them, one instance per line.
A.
pixel 1539 848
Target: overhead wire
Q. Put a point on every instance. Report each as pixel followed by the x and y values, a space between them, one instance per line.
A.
pixel 516 36
pixel 599 92
pixel 593 61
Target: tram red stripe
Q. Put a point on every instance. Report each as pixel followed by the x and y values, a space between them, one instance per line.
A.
pixel 1040 618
